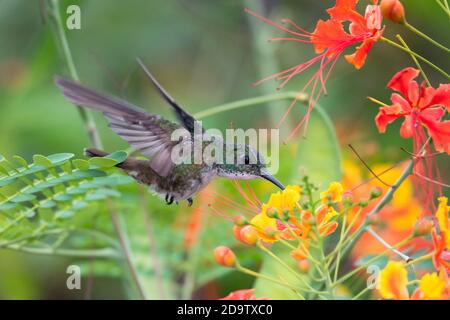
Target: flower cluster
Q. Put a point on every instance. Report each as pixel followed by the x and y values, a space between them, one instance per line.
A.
pixel 320 228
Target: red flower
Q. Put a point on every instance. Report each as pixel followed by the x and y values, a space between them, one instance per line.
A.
pixel 441 257
pixel 420 106
pixel 244 294
pixel 330 40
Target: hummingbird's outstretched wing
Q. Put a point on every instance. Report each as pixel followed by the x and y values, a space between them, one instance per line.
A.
pixel 146 132
pixel 185 118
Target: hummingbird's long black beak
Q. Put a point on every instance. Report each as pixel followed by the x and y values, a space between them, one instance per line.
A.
pixel 272 179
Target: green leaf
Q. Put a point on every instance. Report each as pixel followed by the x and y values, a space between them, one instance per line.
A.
pixel 67 167
pixel 23 198
pixel 118 156
pixel 8 205
pixel 41 160
pixel 48 204
pixel 81 164
pixel 100 162
pixel 63 197
pixel 60 157
pixel 21 161
pixel 319 157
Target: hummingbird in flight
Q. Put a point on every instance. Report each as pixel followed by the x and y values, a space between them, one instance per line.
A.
pixel 152 136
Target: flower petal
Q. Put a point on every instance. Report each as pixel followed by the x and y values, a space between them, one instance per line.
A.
pixel 387 115
pixel 439 131
pixel 329 35
pixel 441 97
pixel 400 81
pixel 407 129
pixel 359 57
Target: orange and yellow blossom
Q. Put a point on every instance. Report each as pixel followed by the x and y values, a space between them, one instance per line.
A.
pixel 393 280
pixel 432 287
pixel 443 219
pixel 396 221
pixel 286 200
pixel 333 194
pixel 441 242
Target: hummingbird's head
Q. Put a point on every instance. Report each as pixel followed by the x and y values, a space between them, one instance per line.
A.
pixel 243 162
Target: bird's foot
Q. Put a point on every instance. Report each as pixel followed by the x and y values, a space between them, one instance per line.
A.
pixel 190 202
pixel 169 199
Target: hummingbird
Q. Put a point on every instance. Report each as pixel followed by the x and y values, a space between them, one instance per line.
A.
pixel 151 135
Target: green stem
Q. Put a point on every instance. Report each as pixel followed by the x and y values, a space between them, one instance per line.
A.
pixel 355 271
pixel 245 103
pixel 399 37
pixel 292 271
pixel 396 45
pixel 106 253
pixel 444 6
pixel 127 252
pixel 262 276
pixel 58 29
pixel 265 59
pixel 423 35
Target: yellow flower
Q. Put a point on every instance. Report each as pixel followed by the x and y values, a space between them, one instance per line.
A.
pixel 263 223
pixel 286 199
pixel 432 286
pixel 333 194
pixel 392 281
pixel 442 217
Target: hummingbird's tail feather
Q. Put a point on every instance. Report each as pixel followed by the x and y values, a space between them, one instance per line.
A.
pixel 129 164
pixel 92 152
pixel 83 96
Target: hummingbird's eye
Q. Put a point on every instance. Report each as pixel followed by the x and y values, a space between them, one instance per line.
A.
pixel 246 160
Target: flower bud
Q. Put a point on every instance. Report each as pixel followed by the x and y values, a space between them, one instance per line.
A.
pixel 249 235
pixel 347 197
pixel 423 227
pixel 375 193
pixel 237 232
pixel 363 203
pixel 225 256
pixel 393 10
pixel 303 265
pixel 240 220
pixel 270 232
pixel 272 213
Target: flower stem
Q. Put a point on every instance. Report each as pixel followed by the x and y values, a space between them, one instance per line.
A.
pixel 58 29
pixel 262 276
pixel 444 6
pixel 245 103
pixel 399 37
pixel 387 245
pixel 396 45
pixel 284 264
pixel 127 252
pixel 428 38
pixel 355 271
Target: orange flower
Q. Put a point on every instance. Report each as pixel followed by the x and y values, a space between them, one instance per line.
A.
pixel 441 257
pixel 330 39
pixel 324 214
pixel 302 252
pixel 393 280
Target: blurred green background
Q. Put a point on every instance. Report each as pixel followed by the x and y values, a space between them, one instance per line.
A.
pixel 205 53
